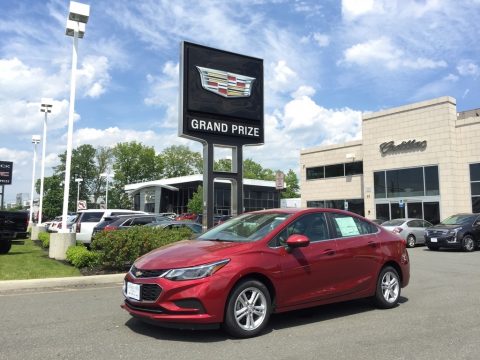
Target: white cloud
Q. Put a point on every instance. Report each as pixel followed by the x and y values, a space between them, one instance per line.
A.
pixel 382 52
pixel 93 76
pixel 468 68
pixel 354 8
pixel 322 40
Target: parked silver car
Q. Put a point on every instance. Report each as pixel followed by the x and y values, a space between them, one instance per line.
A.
pixel 412 230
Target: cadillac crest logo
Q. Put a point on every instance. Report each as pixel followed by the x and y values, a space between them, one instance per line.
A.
pixel 225 83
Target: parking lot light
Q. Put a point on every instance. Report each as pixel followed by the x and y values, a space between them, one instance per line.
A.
pixel 35 141
pixel 77 18
pixel 45 107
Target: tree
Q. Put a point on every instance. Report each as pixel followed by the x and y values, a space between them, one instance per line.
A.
pixel 195 204
pixel 253 170
pixel 223 165
pixel 292 187
pixel 179 160
pixel 52 196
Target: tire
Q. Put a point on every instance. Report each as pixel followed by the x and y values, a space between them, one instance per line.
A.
pixel 432 247
pixel 5 246
pixel 248 309
pixel 411 240
pixel 388 290
pixel 468 244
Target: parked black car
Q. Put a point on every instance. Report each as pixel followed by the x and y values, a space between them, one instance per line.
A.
pixel 460 231
pixel 118 222
pixel 13 226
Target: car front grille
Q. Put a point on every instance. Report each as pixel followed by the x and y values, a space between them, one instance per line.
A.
pixel 437 233
pixel 142 274
pixel 138 307
pixel 150 292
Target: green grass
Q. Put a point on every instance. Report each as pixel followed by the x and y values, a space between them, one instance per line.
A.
pixel 30 261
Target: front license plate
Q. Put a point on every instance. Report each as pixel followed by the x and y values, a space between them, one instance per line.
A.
pixel 433 240
pixel 133 291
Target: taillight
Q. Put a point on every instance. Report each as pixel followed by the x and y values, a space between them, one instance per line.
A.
pixel 59 225
pixel 397 230
pixel 110 227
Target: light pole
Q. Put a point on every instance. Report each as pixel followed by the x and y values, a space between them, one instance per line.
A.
pixel 106 175
pixel 77 18
pixel 45 107
pixel 35 141
pixel 78 181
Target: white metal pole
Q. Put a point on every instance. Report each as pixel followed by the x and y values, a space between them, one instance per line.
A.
pixel 78 192
pixel 106 195
pixel 33 182
pixel 68 159
pixel 42 176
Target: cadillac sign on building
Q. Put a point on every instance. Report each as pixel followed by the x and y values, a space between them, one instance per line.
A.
pixel 221 97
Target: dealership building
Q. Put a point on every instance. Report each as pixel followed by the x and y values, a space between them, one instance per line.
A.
pixel 420 160
pixel 172 195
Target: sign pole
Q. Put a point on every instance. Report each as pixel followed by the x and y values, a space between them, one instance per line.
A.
pixel 3 192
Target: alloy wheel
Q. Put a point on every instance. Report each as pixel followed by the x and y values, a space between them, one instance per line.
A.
pixel 390 287
pixel 250 309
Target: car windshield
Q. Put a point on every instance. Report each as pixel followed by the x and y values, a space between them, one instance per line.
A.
pixel 245 228
pixel 459 220
pixel 394 222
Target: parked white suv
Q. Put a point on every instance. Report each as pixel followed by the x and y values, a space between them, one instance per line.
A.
pixel 88 219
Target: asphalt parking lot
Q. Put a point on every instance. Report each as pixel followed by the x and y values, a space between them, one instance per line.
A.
pixel 438 318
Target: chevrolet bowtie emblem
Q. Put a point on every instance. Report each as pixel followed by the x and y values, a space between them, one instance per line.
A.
pixel 138 273
pixel 225 83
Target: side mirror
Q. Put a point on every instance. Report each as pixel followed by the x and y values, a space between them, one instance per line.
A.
pixel 297 240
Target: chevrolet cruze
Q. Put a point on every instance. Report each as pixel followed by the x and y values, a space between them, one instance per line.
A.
pixel 240 272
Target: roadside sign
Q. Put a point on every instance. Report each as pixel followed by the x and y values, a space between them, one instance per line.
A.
pixel 279 180
pixel 401 203
pixel 345 205
pixel 81 205
pixel 6 169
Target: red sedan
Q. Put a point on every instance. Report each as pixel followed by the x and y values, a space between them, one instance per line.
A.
pixel 241 271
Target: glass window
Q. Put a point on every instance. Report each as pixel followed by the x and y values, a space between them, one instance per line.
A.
pixel 315 173
pixel 354 168
pixel 475 188
pixel 475 172
pixel 91 216
pixel 415 210
pixel 347 226
pixel 431 212
pixel 142 220
pixel 414 223
pixel 313 226
pixel 397 211
pixel 426 224
pixel 315 203
pixel 405 182
pixel 379 184
pixel 431 181
pixel 476 204
pixel 356 206
pixel 335 170
pixel 382 211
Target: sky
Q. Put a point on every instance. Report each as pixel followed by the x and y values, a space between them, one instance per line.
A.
pixel 325 63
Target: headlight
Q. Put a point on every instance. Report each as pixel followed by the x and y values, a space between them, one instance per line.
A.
pixel 196 272
pixel 453 232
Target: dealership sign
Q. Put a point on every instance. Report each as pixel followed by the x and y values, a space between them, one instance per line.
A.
pixel 389 147
pixel 221 96
pixel 6 169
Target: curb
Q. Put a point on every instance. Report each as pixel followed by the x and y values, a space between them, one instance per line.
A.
pixel 61 282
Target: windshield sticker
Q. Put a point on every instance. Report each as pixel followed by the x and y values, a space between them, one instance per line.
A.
pixel 347 226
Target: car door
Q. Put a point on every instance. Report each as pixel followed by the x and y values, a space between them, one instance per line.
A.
pixel 359 253
pixel 415 228
pixel 307 274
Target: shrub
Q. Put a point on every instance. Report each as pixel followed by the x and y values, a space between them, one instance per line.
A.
pixel 44 237
pixel 119 249
pixel 80 257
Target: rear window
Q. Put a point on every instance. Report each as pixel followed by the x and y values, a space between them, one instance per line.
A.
pixel 395 222
pixel 91 216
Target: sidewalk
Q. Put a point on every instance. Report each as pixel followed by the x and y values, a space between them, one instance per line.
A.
pixel 61 282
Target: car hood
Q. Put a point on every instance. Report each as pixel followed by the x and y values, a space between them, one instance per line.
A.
pixel 189 253
pixel 444 227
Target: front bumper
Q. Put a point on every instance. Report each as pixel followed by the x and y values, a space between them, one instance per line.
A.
pixel 450 242
pixel 195 302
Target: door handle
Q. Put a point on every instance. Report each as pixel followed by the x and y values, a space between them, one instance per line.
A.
pixel 329 252
pixel 372 244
